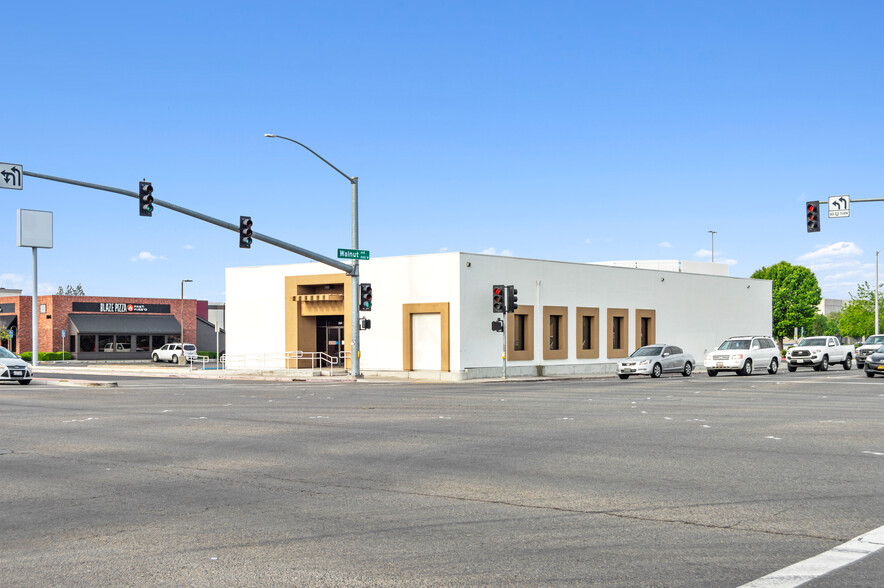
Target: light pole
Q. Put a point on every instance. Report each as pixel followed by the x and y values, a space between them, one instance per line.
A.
pixel 713 244
pixel 354 273
pixel 876 293
pixel 181 359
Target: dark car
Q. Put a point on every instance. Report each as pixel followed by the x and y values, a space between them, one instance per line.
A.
pixel 875 362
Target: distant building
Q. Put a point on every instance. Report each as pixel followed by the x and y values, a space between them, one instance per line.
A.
pixel 829 305
pixel 98 327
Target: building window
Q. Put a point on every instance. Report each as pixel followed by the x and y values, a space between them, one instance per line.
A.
pixel 87 343
pixel 42 309
pixel 157 341
pixel 554 321
pixel 520 334
pixel 587 333
pixel 618 332
pixel 142 343
pixel 645 327
pixel 555 332
pixel 105 342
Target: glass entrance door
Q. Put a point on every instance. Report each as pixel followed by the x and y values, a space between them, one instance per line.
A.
pixel 330 335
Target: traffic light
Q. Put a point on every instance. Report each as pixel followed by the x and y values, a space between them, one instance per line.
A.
pixel 813 216
pixel 497 304
pixel 145 199
pixel 511 299
pixel 245 232
pixel 365 297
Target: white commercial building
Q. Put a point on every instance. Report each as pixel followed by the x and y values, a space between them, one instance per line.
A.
pixel 431 314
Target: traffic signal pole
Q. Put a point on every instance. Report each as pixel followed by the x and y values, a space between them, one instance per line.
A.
pixel 344 267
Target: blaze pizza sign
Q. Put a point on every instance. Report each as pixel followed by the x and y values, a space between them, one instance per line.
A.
pixel 119 307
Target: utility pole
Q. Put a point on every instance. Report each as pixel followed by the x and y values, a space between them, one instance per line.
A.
pixel 713 244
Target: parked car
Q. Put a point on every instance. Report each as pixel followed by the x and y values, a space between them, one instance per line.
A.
pixel 868 347
pixel 14 368
pixel 172 351
pixel 818 353
pixel 743 355
pixel 875 363
pixel 655 360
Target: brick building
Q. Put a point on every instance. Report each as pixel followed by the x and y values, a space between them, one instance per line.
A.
pixel 98 327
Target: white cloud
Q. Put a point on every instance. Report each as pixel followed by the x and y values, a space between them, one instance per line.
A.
pixel 147 256
pixel 189 247
pixel 666 244
pixel 443 249
pixel 493 251
pixel 834 252
pixel 706 255
pixel 12 281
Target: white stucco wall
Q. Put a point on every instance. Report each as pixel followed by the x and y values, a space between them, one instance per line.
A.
pixel 694 311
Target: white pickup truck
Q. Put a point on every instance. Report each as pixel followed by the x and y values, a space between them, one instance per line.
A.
pixel 819 353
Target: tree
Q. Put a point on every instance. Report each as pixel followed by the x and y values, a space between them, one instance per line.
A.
pixel 826 325
pixel 796 295
pixel 858 315
pixel 71 291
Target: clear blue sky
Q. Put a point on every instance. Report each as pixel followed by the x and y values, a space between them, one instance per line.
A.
pixel 577 131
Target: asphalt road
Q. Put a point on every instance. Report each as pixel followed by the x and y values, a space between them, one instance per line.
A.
pixel 672 482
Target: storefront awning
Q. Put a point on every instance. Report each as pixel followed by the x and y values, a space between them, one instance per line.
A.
pixel 124 324
pixel 7 319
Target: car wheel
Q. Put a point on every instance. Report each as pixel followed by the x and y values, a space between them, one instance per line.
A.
pixel 870 374
pixel 657 371
pixel 791 368
pixel 688 369
pixel 747 368
pixel 848 363
pixel 623 376
pixel 155 358
pixel 860 365
pixel 26 382
pixel 824 365
pixel 174 359
pixel 773 367
pixel 712 373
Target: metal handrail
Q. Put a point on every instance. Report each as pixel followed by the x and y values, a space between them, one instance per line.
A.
pixel 281 361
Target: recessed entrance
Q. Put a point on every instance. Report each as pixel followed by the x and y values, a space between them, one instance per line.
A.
pixel 330 335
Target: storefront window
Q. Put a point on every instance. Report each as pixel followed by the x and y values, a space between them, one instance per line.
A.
pixel 106 343
pixel 87 343
pixel 158 341
pixel 142 342
pixel 124 343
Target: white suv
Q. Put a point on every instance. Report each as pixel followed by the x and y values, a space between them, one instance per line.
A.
pixel 172 351
pixel 743 355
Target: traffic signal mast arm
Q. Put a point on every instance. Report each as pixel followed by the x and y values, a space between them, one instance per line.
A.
pixel 344 267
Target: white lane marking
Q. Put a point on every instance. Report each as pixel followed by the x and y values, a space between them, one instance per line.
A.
pixel 819 565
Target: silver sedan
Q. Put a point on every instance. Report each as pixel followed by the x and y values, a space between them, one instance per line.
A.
pixel 655 360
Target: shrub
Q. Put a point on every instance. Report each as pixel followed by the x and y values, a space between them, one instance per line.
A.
pixel 47 355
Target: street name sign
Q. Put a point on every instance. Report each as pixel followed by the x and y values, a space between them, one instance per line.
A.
pixel 839 206
pixel 360 254
pixel 11 176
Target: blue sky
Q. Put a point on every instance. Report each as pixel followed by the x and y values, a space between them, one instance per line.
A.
pixel 577 131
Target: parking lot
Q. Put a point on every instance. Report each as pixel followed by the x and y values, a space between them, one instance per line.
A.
pixel 668 482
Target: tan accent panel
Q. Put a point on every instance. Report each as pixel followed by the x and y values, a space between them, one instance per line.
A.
pixel 526 354
pixel 562 351
pixel 593 351
pixel 641 313
pixel 440 308
pixel 623 351
pixel 330 295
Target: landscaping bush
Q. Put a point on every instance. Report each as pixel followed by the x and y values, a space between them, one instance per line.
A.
pixel 47 355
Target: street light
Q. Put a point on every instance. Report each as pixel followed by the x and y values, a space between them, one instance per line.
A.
pixel 354 274
pixel 181 358
pixel 877 328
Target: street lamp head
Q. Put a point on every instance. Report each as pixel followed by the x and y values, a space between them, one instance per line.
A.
pixel 186 280
pixel 269 135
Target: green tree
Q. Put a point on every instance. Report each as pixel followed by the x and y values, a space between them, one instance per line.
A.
pixel 796 295
pixel 826 325
pixel 858 315
pixel 71 291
